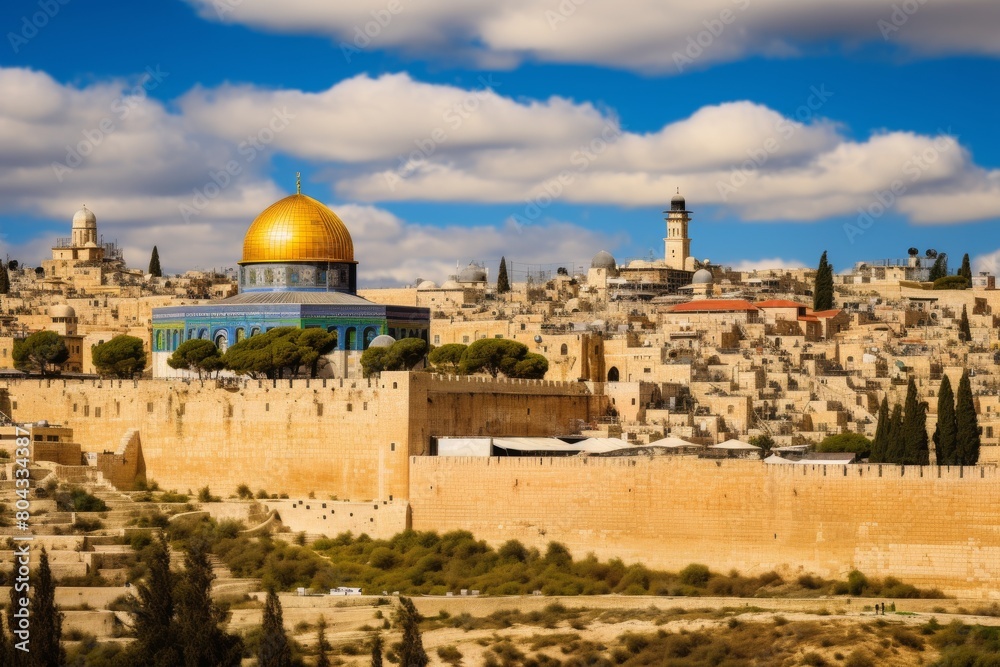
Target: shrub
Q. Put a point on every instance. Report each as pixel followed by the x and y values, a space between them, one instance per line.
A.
pixel 695 574
pixel 856 583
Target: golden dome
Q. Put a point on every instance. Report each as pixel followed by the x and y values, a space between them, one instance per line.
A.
pixel 297 229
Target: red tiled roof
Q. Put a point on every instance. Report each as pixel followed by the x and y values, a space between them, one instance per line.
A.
pixel 824 314
pixel 714 306
pixel 779 303
pixel 807 318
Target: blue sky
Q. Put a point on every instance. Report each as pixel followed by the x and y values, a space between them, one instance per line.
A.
pixel 543 131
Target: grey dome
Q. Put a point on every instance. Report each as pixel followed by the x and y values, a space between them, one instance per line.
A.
pixel 473 273
pixel 382 341
pixel 84 218
pixel 677 202
pixel 62 310
pixel 450 284
pixel 702 277
pixel 427 284
pixel 603 260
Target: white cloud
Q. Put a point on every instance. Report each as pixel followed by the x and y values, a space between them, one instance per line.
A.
pixel 646 35
pixel 988 262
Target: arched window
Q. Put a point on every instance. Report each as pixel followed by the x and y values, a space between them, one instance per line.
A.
pixel 177 339
pixel 222 340
pixel 190 334
pixel 203 334
pixel 240 334
pixel 564 349
pixel 254 331
pixel 352 338
pixel 370 334
pixel 613 374
pixel 159 340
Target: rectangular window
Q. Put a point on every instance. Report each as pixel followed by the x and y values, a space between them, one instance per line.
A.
pixel 149 408
pixel 392 447
pixel 86 411
pixel 319 409
pixel 97 412
pixel 465 339
pixel 437 341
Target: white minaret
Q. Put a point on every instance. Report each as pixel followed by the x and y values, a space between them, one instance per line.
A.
pixel 677 245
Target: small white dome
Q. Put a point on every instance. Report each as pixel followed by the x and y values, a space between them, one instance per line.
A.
pixel 450 284
pixel 62 310
pixel 702 277
pixel 84 218
pixel 473 273
pixel 603 260
pixel 427 284
pixel 382 341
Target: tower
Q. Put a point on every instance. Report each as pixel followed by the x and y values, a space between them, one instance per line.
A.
pixel 677 245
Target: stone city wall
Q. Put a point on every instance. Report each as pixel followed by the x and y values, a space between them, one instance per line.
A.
pixel 929 527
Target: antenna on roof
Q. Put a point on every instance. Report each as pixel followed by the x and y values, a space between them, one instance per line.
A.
pixel 298 182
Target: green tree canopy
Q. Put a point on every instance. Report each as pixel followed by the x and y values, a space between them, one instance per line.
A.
pixel 204 643
pixel 765 442
pixel 967 438
pixel 154 264
pixel 951 282
pixel 493 356
pixel 503 283
pixel 46 619
pixel 402 355
pixel 411 651
pixel 197 355
pixel 894 442
pixel 939 269
pixel 964 330
pixel 966 269
pixel 823 289
pixel 120 357
pixel 274 650
pixel 447 358
pixel 846 442
pixel 4 279
pixel 946 432
pixel 152 609
pixel 533 366
pixel 43 352
pixel 279 351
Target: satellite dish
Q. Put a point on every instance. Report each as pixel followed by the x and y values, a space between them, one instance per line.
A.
pixel 538 339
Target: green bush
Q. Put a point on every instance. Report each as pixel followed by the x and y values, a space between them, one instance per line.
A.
pixel 695 574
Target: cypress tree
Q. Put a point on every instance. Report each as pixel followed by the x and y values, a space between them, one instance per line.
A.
pixel 322 646
pixel 939 269
pixel 881 433
pixel 46 619
pixel 377 650
pixel 945 434
pixel 503 283
pixel 5 646
pixel 823 289
pixel 966 270
pixel 964 332
pixel 915 446
pixel 966 425
pixel 894 447
pixel 156 642
pixel 4 279
pixel 154 264
pixel 203 641
pixel 274 649
pixel 411 653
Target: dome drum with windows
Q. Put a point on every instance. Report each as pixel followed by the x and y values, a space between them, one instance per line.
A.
pixel 297 270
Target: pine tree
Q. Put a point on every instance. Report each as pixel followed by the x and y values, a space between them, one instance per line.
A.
pixel 156 643
pixel 881 433
pixel 204 642
pixel 915 445
pixel 503 283
pixel 895 447
pixel 964 332
pixel 823 289
pixel 154 264
pixel 377 650
pixel 322 646
pixel 46 619
pixel 274 649
pixel 966 270
pixel 4 279
pixel 411 653
pixel 966 425
pixel 945 434
pixel 939 269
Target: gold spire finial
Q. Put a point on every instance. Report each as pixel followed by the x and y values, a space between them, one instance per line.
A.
pixel 298 182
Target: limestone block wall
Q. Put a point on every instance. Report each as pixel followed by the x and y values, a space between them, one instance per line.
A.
pixel 379 520
pixel 932 527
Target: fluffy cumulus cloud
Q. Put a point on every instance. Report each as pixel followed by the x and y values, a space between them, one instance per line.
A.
pixel 200 168
pixel 393 138
pixel 647 35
